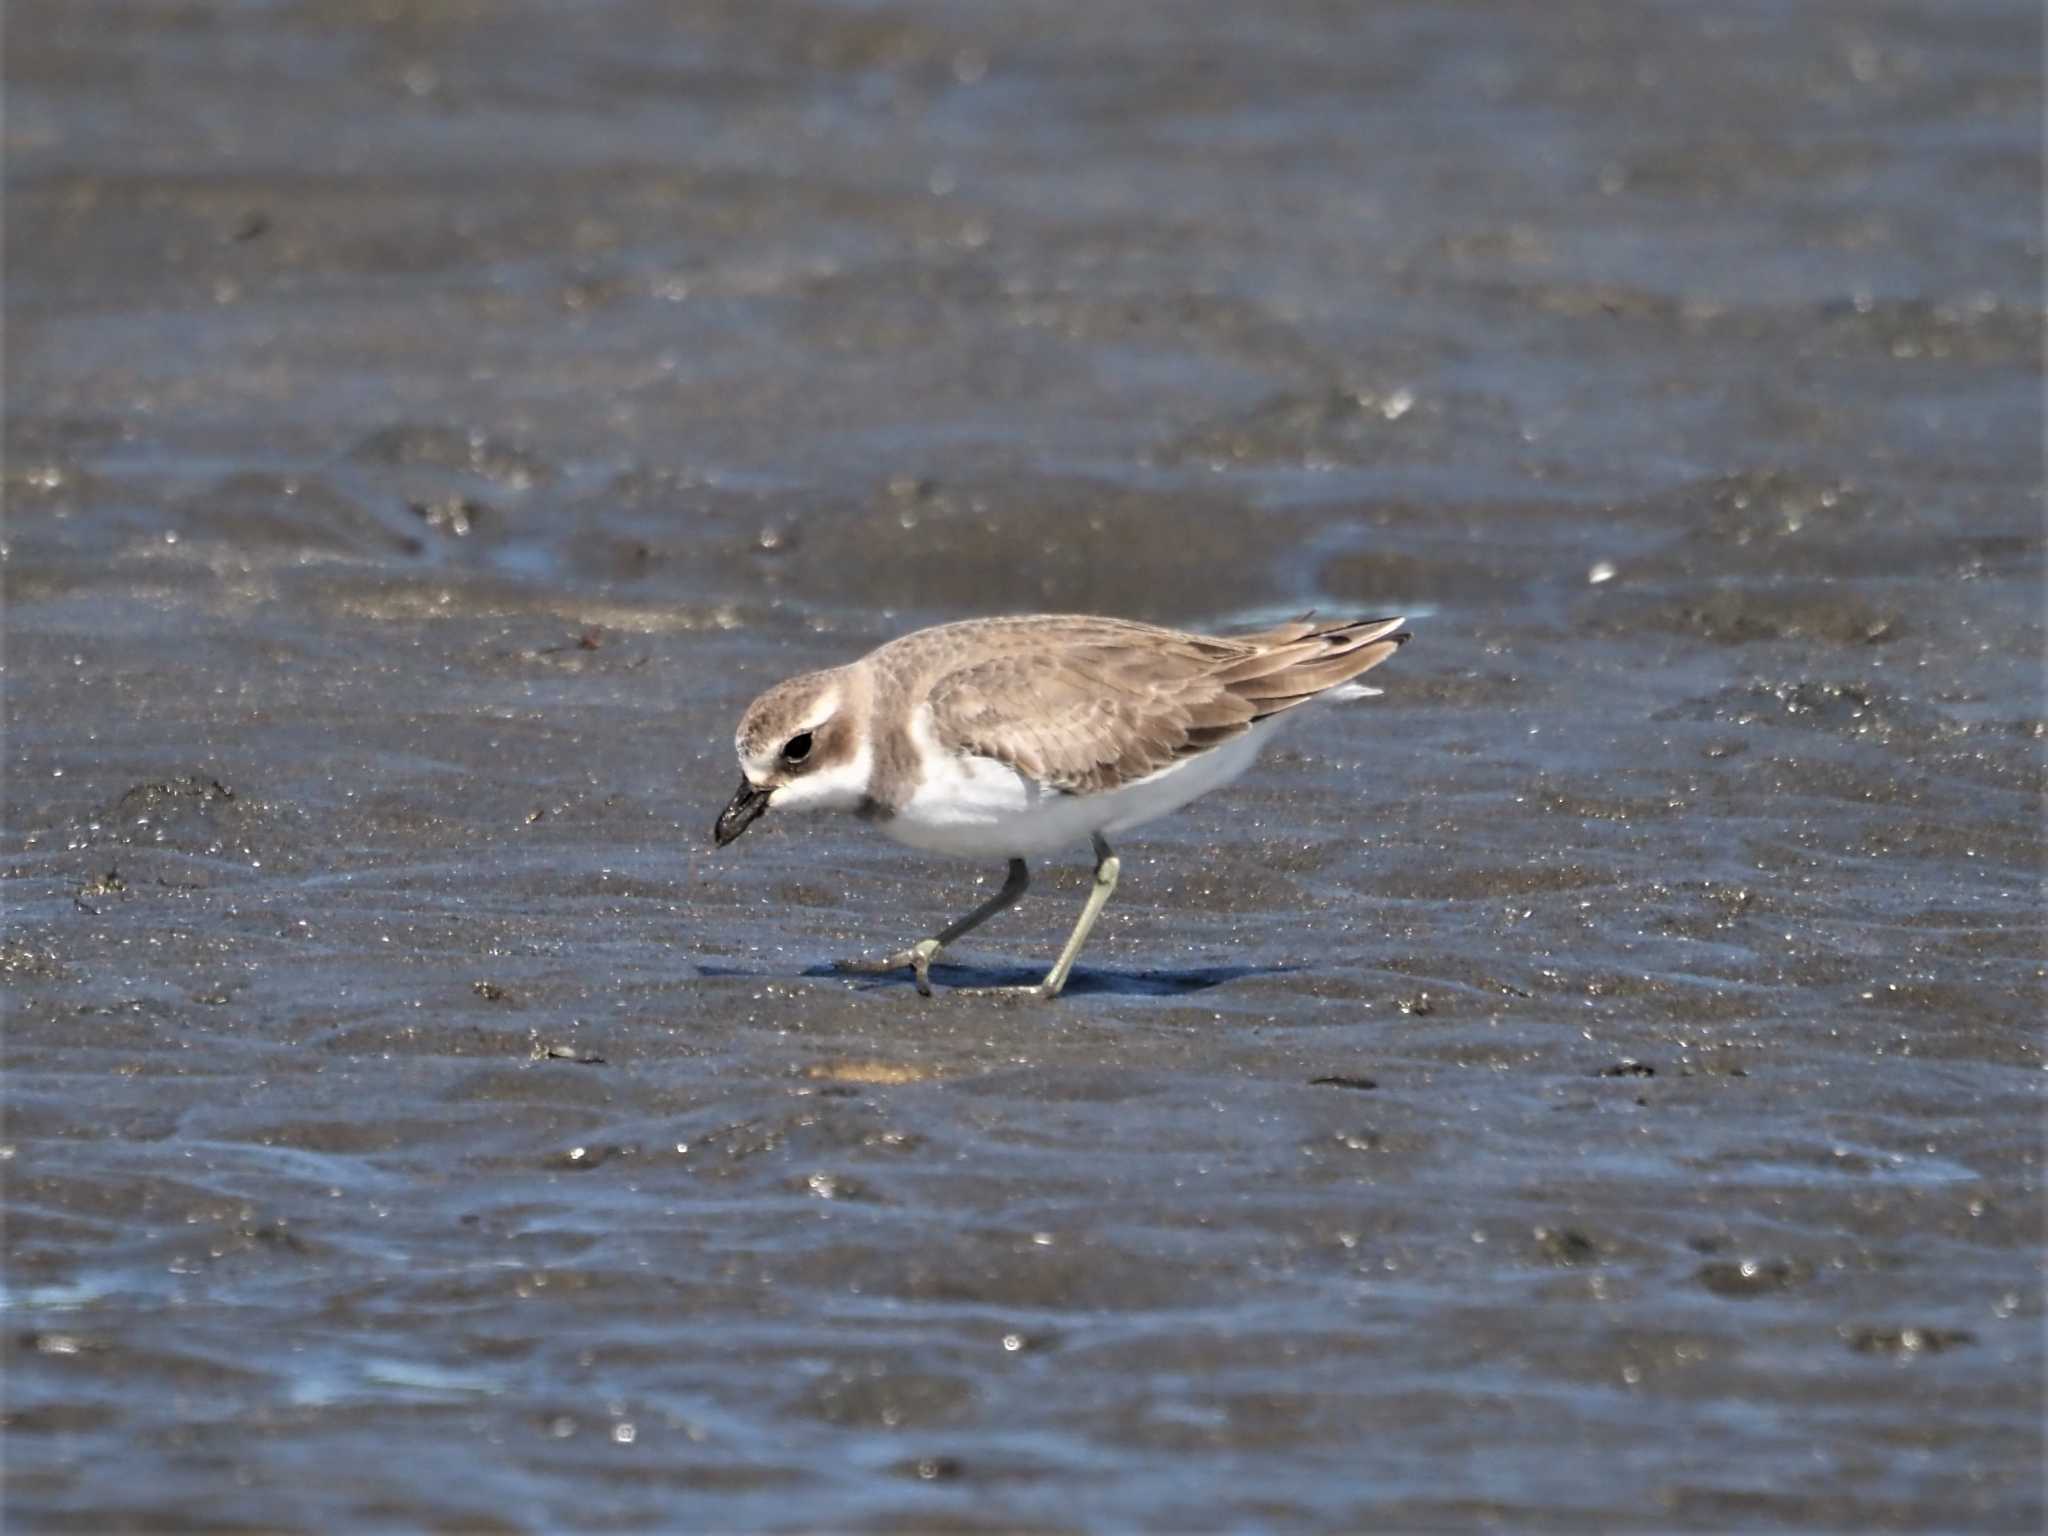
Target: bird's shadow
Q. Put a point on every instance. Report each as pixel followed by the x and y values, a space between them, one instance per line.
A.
pixel 1084 982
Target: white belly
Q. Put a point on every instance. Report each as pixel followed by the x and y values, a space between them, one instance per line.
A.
pixel 981 808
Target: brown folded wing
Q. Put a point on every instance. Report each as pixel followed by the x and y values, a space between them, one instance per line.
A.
pixel 1087 709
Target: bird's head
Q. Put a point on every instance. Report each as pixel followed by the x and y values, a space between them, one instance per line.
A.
pixel 802 745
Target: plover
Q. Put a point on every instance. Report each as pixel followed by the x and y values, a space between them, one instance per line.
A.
pixel 1012 737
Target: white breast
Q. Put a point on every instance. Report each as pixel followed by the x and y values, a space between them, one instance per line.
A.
pixel 976 806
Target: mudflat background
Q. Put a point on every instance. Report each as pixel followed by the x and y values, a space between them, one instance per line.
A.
pixel 1596 1085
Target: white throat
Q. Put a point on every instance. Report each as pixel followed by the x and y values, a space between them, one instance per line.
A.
pixel 842 787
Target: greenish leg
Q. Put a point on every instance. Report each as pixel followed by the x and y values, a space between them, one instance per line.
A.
pixel 1107 866
pixel 920 955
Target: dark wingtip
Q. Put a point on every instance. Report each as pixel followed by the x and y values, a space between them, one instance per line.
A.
pixel 1402 638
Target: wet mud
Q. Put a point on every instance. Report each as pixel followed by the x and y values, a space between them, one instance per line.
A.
pixel 1596 1084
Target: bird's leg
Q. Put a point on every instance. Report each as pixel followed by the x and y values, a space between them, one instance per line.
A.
pixel 920 955
pixel 1107 866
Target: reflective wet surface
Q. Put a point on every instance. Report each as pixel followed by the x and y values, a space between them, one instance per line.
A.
pixel 1596 1083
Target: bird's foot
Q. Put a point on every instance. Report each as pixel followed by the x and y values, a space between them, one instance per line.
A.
pixel 1040 990
pixel 917 959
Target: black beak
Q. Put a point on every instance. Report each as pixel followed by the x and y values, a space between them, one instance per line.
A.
pixel 747 805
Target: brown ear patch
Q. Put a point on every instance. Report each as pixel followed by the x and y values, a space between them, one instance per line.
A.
pixel 832 743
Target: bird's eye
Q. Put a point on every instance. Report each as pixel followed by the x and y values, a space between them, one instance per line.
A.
pixel 797 749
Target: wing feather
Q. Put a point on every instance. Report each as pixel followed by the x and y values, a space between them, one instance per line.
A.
pixel 1086 708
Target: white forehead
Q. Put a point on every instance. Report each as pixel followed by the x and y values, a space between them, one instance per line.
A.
pixel 813 715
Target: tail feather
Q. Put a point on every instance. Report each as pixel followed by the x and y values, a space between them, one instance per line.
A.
pixel 1281 634
pixel 1295 669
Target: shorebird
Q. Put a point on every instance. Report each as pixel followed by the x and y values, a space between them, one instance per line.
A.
pixel 1012 737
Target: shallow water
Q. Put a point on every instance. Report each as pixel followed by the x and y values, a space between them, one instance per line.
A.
pixel 1596 1083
